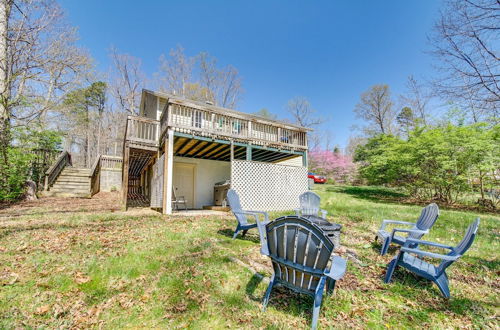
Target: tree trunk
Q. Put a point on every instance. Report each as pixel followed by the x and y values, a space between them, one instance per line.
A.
pixel 5 7
pixel 30 191
pixel 481 184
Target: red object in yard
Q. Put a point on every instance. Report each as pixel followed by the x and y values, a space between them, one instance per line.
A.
pixel 316 178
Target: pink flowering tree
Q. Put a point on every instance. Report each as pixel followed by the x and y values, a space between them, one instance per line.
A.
pixel 333 165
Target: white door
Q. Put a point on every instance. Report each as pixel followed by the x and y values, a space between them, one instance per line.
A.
pixel 183 180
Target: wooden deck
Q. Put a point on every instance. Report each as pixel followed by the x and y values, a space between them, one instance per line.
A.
pixel 218 123
pixel 197 130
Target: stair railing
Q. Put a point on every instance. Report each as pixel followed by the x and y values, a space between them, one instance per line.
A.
pixel 56 169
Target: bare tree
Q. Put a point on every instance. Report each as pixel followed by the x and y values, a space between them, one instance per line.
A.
pixel 43 60
pixel 199 78
pixel 222 86
pixel 465 41
pixel 230 90
pixel 175 72
pixel 376 107
pixel 39 61
pixel 353 143
pixel 303 113
pixel 417 98
pixel 126 81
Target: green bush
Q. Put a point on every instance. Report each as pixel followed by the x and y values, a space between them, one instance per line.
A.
pixel 15 173
pixel 19 165
pixel 440 163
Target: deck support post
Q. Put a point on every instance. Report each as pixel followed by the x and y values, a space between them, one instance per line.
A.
pixel 125 166
pixel 249 152
pixel 304 159
pixel 232 150
pixel 167 174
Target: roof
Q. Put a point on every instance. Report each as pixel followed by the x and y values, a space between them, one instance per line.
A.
pixel 182 100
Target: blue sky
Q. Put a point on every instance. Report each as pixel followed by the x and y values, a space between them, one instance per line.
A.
pixel 327 51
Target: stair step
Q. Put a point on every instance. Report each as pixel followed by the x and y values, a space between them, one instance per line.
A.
pixel 73 180
pixel 73 176
pixel 70 191
pixel 87 172
pixel 67 194
pixel 69 187
pixel 75 173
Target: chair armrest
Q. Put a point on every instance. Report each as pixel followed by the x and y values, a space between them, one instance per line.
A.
pixel 337 269
pixel 261 226
pixel 253 214
pixel 395 222
pixel 409 231
pixel 430 254
pixel 266 216
pixel 324 213
pixel 421 242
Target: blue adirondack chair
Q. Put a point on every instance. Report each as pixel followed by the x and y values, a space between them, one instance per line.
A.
pixel 243 215
pixel 408 258
pixel 309 205
pixel 302 259
pixel 427 218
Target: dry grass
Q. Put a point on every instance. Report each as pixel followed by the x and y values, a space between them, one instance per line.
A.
pixel 79 263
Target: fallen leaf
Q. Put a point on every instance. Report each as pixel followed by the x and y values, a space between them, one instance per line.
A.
pixel 81 278
pixel 42 309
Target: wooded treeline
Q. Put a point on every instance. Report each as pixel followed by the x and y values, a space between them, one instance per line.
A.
pixel 440 139
pixel 434 154
pixel 50 87
pixel 53 97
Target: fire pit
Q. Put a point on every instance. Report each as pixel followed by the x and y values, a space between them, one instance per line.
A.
pixel 331 230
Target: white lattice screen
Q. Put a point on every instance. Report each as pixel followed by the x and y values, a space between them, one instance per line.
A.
pixel 157 183
pixel 267 186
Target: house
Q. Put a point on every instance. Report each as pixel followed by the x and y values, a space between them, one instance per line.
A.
pixel 179 147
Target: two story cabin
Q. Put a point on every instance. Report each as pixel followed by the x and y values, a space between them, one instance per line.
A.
pixel 178 149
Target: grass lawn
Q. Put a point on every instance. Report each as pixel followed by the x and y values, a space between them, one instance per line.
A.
pixel 83 263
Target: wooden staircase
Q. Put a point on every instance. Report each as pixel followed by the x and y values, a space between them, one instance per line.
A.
pixel 71 182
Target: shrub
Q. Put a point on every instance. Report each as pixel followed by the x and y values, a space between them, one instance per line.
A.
pixel 19 163
pixel 334 165
pixel 439 163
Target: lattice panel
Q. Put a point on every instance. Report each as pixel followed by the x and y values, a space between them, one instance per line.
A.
pixel 268 186
pixel 157 183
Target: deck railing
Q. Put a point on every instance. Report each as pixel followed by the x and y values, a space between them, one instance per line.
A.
pixel 212 122
pixel 111 162
pixel 102 162
pixel 142 130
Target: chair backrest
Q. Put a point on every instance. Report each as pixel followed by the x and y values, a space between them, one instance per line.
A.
pixel 309 203
pixel 299 251
pixel 174 197
pixel 234 202
pixel 427 218
pixel 463 246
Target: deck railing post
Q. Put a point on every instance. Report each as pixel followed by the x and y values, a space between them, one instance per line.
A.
pixel 168 175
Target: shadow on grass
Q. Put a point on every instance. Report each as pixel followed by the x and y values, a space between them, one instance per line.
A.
pixel 375 194
pixel 101 222
pixel 281 298
pixel 254 282
pixel 413 284
pixel 378 194
pixel 248 237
